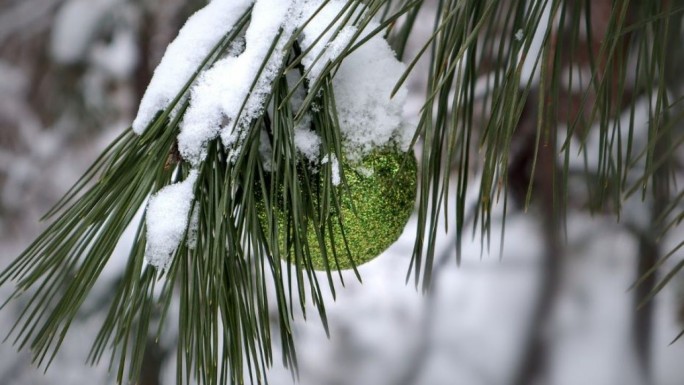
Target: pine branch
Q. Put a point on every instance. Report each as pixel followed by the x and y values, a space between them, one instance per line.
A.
pixel 232 247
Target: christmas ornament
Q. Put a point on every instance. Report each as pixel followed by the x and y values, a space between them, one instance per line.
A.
pixel 374 206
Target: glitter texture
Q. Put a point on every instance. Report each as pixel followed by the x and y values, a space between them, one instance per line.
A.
pixel 375 204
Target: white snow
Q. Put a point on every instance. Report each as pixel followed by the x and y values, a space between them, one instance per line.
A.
pixel 193 228
pixel 218 98
pixel 167 220
pixel 330 51
pixel 335 165
pixel 519 35
pixel 307 142
pixel 75 25
pixel 120 57
pixel 363 83
pixel 229 96
pixel 196 39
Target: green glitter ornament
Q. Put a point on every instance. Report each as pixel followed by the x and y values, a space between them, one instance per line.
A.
pixel 375 204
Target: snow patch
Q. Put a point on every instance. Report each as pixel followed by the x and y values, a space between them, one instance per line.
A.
pixel 335 166
pixel 368 115
pixel 120 57
pixel 74 28
pixel 223 97
pixel 317 59
pixel 307 142
pixel 519 35
pixel 196 39
pixel 193 229
pixel 167 220
pixel 231 94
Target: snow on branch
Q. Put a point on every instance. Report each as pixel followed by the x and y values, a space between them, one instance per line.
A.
pixel 230 95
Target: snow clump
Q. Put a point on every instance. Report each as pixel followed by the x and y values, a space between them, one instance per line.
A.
pixel 222 94
pixel 335 167
pixel 368 115
pixel 166 220
pixel 200 34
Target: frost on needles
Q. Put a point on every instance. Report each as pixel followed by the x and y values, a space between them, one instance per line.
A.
pixel 226 98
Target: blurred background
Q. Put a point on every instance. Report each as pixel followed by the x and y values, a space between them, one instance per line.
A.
pixel 543 311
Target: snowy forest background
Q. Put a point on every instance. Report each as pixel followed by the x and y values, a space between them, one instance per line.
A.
pixel 71 75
